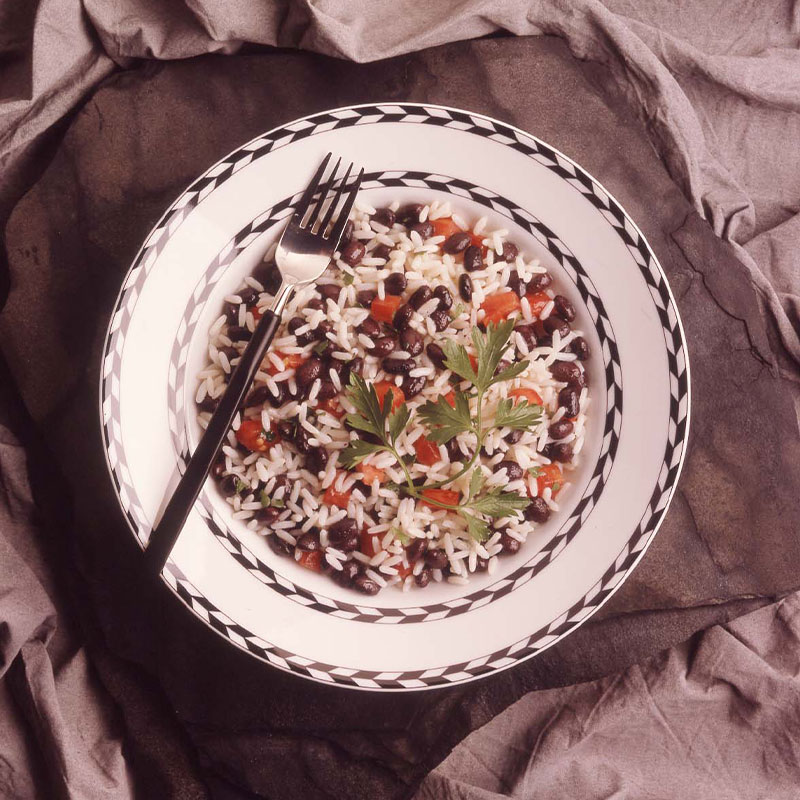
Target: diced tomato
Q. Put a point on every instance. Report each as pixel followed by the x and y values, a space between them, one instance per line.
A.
pixel 451 398
pixel 526 394
pixel 499 305
pixel 369 473
pixel 398 398
pixel 333 497
pixel 474 361
pixel 446 496
pixel 252 435
pixel 383 310
pixel 290 361
pixel 537 301
pixel 311 559
pixel 367 547
pixel 477 240
pixel 402 571
pixel 550 477
pixel 427 451
pixel 256 311
pixel 332 406
pixel 444 226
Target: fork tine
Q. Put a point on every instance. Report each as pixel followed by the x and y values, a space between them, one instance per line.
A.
pixel 341 221
pixel 308 195
pixel 335 202
pixel 323 193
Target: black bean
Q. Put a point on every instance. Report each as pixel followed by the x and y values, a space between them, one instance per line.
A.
pixel 457 243
pixel 248 295
pixel 369 327
pixel 416 549
pixel 559 451
pixel 580 347
pixel 268 275
pixel 308 372
pixel 513 470
pixel 465 288
pixel 347 233
pixel 276 401
pixel 398 366
pixel 454 451
pixel 286 428
pixel 516 284
pixel 540 332
pixel 539 282
pixel 502 365
pixel 309 542
pixel 381 251
pixel 257 397
pixel 355 365
pixel 345 575
pixel 384 216
pixel 564 307
pixel 382 346
pixel 209 403
pixel 420 297
pixel 568 399
pixel 219 467
pixel 396 283
pixel 560 429
pixel 268 514
pixel 423 578
pixel 482 564
pixel 232 313
pixel 409 215
pixel 366 585
pixel 315 303
pixel 322 330
pixel 238 333
pixel 512 437
pixel 301 440
pixel 326 390
pixel 317 459
pixel 526 331
pixel 424 229
pixel 565 371
pixel 411 342
pixel 228 484
pixel 510 251
pixel 365 297
pixel 303 338
pixel 441 319
pixel 473 258
pixel 436 355
pixel 402 317
pixel 353 252
pixel 436 559
pixel 537 510
pixel 344 538
pixel 509 544
pixel 330 291
pixel 412 386
pixel 279 546
pixel 442 293
pixel 554 323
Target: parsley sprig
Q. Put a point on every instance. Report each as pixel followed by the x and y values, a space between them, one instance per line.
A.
pixel 444 421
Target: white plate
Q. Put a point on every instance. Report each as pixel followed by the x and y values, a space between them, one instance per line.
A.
pixel 217 231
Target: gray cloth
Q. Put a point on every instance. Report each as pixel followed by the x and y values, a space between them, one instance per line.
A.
pixel 714 96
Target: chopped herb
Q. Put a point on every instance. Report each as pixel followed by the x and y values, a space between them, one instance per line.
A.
pixel 264 498
pixel 519 417
pixel 457 311
pixel 347 279
pixel 269 436
pixel 534 471
pixel 241 486
pixel 320 347
pixel 400 536
pixel 278 502
pixel 556 487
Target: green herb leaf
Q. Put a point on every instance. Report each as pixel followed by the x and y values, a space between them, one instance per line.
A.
pixel 476 527
pixel 476 482
pixel 278 502
pixel 444 420
pixel 511 372
pixel 357 451
pixel 370 417
pixel 398 420
pixel 264 498
pixel 519 417
pixel 490 348
pixel 534 471
pixel 320 347
pixel 401 537
pixel 241 486
pixel 347 278
pixel 499 503
pixel 457 360
pixel 457 311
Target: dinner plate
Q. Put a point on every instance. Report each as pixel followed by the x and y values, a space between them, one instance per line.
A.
pixel 217 232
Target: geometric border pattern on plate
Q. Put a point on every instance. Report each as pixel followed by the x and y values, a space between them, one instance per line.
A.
pixel 551 549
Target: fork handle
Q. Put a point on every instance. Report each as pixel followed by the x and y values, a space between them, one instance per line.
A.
pixel 165 534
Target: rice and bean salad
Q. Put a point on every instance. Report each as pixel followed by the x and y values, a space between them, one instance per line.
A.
pixel 426 339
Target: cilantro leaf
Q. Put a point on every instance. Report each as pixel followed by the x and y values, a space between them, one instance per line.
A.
pixel 398 421
pixel 519 417
pixel 510 372
pixel 370 418
pixel 457 360
pixel 490 348
pixel 476 527
pixel 444 420
pixel 357 451
pixel 499 503
pixel 475 482
pixel 347 278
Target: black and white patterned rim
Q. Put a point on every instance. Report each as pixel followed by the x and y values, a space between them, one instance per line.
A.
pixel 543 154
pixel 503 586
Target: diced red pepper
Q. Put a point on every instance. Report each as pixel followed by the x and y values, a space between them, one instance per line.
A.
pixel 447 496
pixel 527 394
pixel 290 361
pixel 444 226
pixel 256 311
pixel 402 571
pixel 332 406
pixel 427 452
pixel 311 559
pixel 450 396
pixel 477 240
pixel 474 361
pixel 499 306
pixel 537 301
pixel 383 310
pixel 550 477
pixel 369 473
pixel 252 435
pixel 398 397
pixel 367 547
pixel 333 497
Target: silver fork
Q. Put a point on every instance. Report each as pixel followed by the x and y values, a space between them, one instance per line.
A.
pixel 304 251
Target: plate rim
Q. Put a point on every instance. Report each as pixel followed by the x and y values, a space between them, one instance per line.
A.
pixel 439 682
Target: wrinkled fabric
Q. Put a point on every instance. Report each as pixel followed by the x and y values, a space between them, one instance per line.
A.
pixel 717 717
